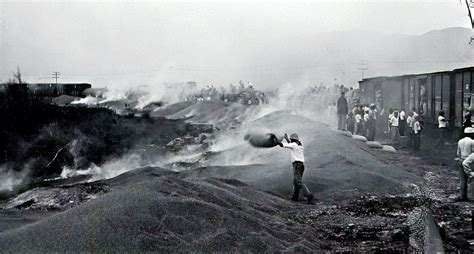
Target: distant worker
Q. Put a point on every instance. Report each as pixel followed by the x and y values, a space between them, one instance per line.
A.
pixel 466 174
pixel 297 158
pixel 409 129
pixel 417 127
pixel 467 120
pixel 359 124
pixel 350 122
pixel 394 123
pixel 389 124
pixel 413 110
pixel 366 122
pixel 372 122
pixel 442 128
pixel 342 110
pixel 403 123
pixel 465 149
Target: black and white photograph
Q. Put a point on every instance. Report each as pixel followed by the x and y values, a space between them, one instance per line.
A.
pixel 179 126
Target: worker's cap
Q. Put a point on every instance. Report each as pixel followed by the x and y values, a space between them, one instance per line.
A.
pixel 469 130
pixel 342 92
pixel 372 105
pixel 294 136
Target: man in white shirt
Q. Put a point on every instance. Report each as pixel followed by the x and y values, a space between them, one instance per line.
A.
pixel 416 133
pixel 413 110
pixel 409 128
pixel 442 128
pixel 465 159
pixel 358 123
pixel 372 122
pixel 297 158
pixel 390 114
pixel 403 123
pixel 466 144
pixel 410 120
pixel 394 131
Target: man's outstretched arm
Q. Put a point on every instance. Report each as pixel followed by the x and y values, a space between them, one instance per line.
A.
pixel 276 140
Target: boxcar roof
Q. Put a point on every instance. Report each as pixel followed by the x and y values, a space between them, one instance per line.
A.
pixel 373 78
pixel 418 74
pixel 464 69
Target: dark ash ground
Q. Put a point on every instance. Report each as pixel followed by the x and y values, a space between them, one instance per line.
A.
pixel 236 198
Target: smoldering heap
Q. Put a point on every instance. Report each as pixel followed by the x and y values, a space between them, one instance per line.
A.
pixel 235 199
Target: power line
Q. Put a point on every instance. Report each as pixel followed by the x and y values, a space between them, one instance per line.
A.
pixel 363 66
pixel 56 76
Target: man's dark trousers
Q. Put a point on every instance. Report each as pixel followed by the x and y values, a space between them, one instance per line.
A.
pixel 463 177
pixel 298 169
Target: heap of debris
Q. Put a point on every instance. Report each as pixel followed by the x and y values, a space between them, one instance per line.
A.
pixel 456 223
pixel 58 198
pixel 367 224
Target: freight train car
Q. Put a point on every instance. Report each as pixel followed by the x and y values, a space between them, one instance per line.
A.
pixel 440 96
pixel 450 91
pixel 462 80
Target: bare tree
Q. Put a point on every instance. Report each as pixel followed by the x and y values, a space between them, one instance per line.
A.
pixel 17 75
pixel 468 5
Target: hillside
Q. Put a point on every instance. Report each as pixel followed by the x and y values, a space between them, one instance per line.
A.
pixel 321 57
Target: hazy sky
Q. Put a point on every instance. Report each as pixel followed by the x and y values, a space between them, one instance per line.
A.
pixel 117 44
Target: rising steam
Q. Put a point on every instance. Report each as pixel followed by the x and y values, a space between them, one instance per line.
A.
pixel 11 180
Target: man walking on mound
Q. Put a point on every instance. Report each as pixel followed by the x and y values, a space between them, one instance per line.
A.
pixel 297 158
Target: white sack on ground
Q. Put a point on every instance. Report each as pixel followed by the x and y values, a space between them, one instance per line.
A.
pixel 374 144
pixel 360 138
pixel 345 133
pixel 389 149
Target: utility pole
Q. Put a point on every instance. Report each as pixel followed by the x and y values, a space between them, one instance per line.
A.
pixel 363 66
pixel 56 76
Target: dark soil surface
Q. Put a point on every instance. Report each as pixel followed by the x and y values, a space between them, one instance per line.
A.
pixel 237 199
pixel 152 209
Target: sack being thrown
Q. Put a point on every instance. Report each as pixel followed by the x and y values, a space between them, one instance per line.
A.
pixel 263 140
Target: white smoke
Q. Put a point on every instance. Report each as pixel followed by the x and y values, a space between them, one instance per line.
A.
pixel 142 96
pixel 131 161
pixel 121 94
pixel 225 142
pixel 89 100
pixel 11 179
pixel 299 101
pixel 107 170
pixel 166 92
pixel 306 101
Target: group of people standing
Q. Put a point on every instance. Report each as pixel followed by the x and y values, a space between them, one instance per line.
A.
pixel 407 125
pixel 362 120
